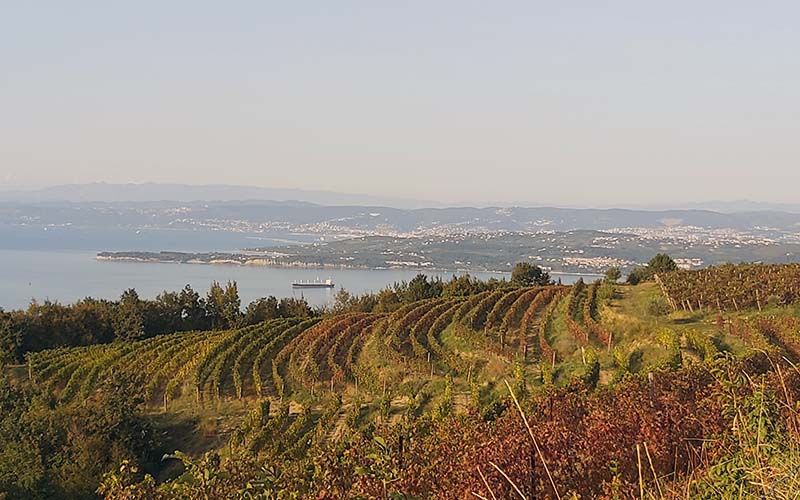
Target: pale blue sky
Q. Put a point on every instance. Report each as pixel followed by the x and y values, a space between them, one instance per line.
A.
pixel 590 103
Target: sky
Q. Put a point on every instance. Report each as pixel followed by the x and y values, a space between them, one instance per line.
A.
pixel 572 103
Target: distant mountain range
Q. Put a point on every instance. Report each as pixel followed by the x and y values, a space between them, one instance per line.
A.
pixel 154 192
pixel 735 206
pixel 371 235
pixel 150 192
pixel 343 221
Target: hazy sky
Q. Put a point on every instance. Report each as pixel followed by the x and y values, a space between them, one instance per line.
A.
pixel 542 102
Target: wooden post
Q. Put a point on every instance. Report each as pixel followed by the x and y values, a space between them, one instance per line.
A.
pixel 664 291
pixel 641 480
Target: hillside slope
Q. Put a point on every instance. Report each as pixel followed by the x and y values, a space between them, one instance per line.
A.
pixel 288 390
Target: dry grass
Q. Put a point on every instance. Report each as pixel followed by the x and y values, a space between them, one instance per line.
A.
pixel 766 462
pixel 762 461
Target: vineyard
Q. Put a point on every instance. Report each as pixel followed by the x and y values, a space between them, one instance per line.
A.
pixel 733 287
pixel 288 357
pixel 287 386
pixel 544 331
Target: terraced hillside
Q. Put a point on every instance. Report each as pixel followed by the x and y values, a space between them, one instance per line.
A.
pixel 292 358
pixel 550 334
pixel 284 387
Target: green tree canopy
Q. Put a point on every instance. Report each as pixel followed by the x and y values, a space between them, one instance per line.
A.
pixel 460 286
pixel 526 274
pixel 223 305
pixel 420 288
pixel 613 274
pixel 262 309
pixel 661 263
pixel 129 319
pixel 290 307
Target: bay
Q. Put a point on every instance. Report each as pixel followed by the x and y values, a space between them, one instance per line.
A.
pixel 59 264
pixel 66 276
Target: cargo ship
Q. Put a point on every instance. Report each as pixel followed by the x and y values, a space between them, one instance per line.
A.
pixel 328 283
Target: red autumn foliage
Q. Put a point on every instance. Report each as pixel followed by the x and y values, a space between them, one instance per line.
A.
pixel 588 439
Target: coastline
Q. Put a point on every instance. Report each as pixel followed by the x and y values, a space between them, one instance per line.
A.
pixel 245 260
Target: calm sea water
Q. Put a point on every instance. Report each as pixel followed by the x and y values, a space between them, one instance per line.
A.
pixel 60 265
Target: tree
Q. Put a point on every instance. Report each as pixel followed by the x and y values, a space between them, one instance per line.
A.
pixel 260 310
pixel 419 288
pixel 164 314
pixel 232 305
pixel 9 340
pixel 193 309
pixel 93 321
pixel 61 451
pixel 661 263
pixel 461 286
pixel 613 275
pixel 291 307
pixel 526 274
pixel 636 276
pixel 129 320
pixel 45 325
pixel 387 301
pixel 342 302
pixel 223 306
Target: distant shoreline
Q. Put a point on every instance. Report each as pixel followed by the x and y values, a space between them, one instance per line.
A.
pixel 243 260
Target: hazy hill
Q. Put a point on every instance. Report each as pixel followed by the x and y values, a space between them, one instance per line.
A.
pixel 381 218
pixel 147 192
pixel 150 192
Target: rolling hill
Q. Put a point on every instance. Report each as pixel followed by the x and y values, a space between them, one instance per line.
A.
pixel 380 398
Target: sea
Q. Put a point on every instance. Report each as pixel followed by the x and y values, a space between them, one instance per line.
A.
pixel 58 264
